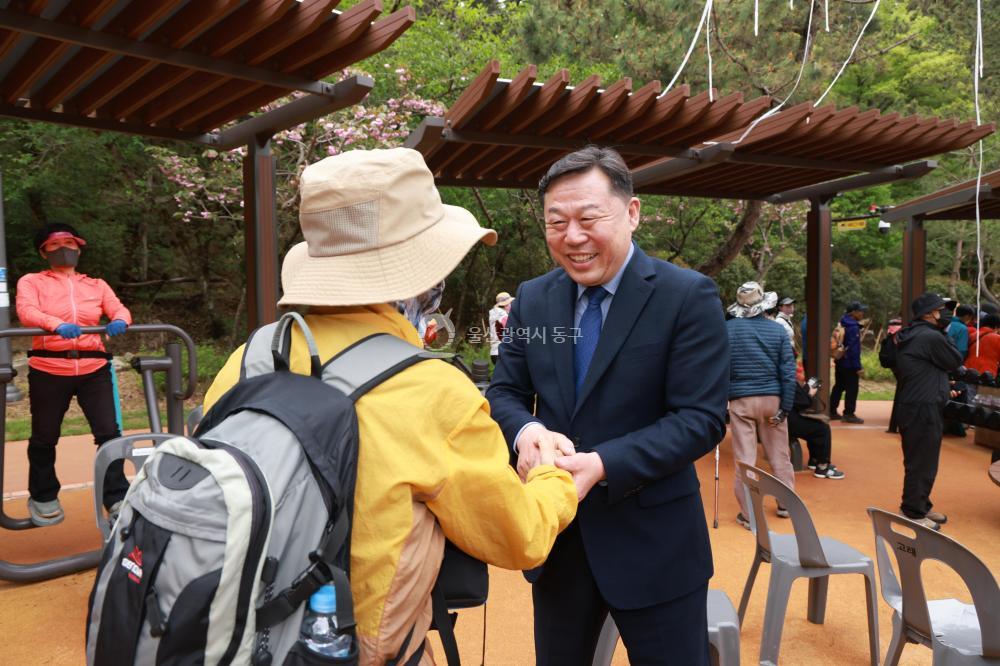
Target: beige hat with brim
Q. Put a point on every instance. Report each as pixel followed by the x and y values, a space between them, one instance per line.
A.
pixel 376 231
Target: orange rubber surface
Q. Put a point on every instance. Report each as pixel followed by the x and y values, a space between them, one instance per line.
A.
pixel 43 623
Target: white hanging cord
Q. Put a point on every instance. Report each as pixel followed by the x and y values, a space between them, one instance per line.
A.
pixel 697 34
pixel 756 11
pixel 708 50
pixel 977 73
pixel 826 15
pixel 805 59
pixel 851 55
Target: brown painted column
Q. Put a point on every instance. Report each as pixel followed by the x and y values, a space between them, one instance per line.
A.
pixel 818 267
pixel 914 264
pixel 260 230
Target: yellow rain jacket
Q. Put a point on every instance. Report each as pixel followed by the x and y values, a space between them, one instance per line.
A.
pixel 431 464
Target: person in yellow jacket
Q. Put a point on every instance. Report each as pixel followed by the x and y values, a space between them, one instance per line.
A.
pixel 432 463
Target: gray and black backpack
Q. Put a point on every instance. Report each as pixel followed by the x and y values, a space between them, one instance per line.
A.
pixel 225 535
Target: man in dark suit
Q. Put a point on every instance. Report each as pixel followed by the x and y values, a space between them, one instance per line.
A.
pixel 634 397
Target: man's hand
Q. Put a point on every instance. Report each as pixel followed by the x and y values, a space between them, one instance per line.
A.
pixel 538 445
pixel 586 468
pixel 778 418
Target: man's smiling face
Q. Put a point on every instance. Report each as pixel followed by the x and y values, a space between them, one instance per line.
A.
pixel 588 226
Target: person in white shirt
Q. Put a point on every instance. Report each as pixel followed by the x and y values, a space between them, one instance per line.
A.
pixel 786 308
pixel 498 322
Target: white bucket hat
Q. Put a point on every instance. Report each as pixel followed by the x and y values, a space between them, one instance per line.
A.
pixel 375 231
pixel 752 300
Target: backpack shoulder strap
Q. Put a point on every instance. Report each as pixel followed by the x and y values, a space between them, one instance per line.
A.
pixel 257 359
pixel 269 347
pixel 372 360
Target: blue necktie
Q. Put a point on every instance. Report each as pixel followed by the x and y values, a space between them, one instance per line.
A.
pixel 590 333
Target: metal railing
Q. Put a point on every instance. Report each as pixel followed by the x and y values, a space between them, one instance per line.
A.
pixel 146 366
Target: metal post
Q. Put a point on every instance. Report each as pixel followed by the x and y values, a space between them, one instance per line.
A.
pixel 260 214
pixel 914 264
pixel 13 393
pixel 175 405
pixel 818 272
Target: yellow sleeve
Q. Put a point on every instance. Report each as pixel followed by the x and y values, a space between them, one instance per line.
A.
pixel 485 509
pixel 225 380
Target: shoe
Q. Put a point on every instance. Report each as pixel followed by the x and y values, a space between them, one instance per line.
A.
pixel 44 514
pixel 834 416
pixel 742 520
pixel 828 472
pixel 812 463
pixel 928 523
pixel 851 418
pixel 937 517
pixel 782 512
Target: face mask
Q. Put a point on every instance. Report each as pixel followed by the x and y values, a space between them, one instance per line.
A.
pixel 62 257
pixel 418 307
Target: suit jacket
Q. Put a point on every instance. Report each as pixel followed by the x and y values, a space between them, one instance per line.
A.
pixel 653 401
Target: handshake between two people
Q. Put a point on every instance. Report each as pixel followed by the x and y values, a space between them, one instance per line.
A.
pixel 538 445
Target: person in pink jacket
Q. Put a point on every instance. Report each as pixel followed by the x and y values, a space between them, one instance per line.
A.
pixel 67 364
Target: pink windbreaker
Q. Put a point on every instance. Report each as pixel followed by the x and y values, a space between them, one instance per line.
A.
pixel 48 299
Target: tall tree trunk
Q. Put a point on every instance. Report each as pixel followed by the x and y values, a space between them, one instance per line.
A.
pixel 956 268
pixel 737 239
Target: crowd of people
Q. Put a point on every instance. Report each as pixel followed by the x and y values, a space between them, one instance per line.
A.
pixel 613 374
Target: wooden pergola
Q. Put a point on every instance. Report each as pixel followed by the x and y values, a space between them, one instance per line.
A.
pixel 506 133
pixel 957 202
pixel 183 69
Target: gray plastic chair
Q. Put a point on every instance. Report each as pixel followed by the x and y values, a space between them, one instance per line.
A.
pixel 957 633
pixel 723 634
pixel 803 554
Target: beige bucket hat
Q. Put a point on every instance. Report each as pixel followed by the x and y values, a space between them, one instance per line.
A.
pixel 375 231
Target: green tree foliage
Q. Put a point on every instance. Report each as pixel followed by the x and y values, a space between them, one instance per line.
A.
pixel 164 220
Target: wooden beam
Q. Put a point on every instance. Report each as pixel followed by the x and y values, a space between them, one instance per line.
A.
pixel 834 187
pixel 178 32
pixel 104 124
pixel 106 41
pixel 818 306
pixel 134 22
pixel 348 92
pixel 936 204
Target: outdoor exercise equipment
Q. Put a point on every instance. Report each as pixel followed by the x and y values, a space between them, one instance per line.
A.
pixel 175 396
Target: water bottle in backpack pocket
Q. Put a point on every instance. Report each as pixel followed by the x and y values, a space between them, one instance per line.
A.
pixel 320 642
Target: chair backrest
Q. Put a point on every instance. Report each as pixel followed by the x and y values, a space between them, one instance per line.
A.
pixel 759 485
pixel 926 544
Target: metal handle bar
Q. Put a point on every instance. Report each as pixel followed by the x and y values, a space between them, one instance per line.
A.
pixel 192 378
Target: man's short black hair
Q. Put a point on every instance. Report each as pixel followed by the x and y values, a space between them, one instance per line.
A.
pixel 990 321
pixel 608 160
pixel 964 310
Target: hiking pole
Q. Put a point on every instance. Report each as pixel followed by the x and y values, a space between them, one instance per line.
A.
pixel 715 523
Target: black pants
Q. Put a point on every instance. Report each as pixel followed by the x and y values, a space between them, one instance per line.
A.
pixel 920 425
pixel 816 433
pixel 50 396
pixel 570 611
pixel 846 382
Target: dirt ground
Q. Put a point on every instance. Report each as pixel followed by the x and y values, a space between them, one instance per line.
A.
pixel 870 457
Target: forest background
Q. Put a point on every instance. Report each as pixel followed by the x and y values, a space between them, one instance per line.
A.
pixel 164 220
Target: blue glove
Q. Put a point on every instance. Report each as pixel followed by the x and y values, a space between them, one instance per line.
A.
pixel 117 327
pixel 68 331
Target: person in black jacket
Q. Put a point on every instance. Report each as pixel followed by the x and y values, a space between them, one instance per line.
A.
pixel 925 356
pixel 806 423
